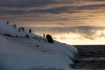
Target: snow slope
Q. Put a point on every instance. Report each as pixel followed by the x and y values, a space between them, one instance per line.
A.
pixel 32 54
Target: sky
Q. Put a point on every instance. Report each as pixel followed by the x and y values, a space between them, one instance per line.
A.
pixel 76 22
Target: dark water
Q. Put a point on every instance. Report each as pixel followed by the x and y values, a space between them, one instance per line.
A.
pixel 91 57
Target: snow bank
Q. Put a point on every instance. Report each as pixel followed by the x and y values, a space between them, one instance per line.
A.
pixel 7 29
pixel 23 54
pixel 15 57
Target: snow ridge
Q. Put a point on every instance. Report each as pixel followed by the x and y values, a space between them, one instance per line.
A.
pixel 34 53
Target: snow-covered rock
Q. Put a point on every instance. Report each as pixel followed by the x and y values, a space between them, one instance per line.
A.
pixel 30 54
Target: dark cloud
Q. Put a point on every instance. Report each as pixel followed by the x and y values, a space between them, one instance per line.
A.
pixel 69 9
pixel 39 3
pixel 96 6
pixel 26 3
pixel 87 32
pixel 57 10
pixel 52 10
pixel 94 0
pixel 11 12
pixel 42 3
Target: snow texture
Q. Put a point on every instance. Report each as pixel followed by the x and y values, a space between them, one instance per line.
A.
pixel 32 54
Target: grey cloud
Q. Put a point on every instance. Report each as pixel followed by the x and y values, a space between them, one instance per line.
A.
pixel 55 10
pixel 96 6
pixel 33 3
pixel 87 32
pixel 65 9
pixel 25 3
pixel 37 3
pixel 94 0
pixel 69 9
pixel 52 10
pixel 6 12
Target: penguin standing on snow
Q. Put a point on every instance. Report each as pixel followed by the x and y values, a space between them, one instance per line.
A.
pixel 49 38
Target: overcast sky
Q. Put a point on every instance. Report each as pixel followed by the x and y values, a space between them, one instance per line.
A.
pixel 84 18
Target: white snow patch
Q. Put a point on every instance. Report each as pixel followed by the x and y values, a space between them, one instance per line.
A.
pixel 29 54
